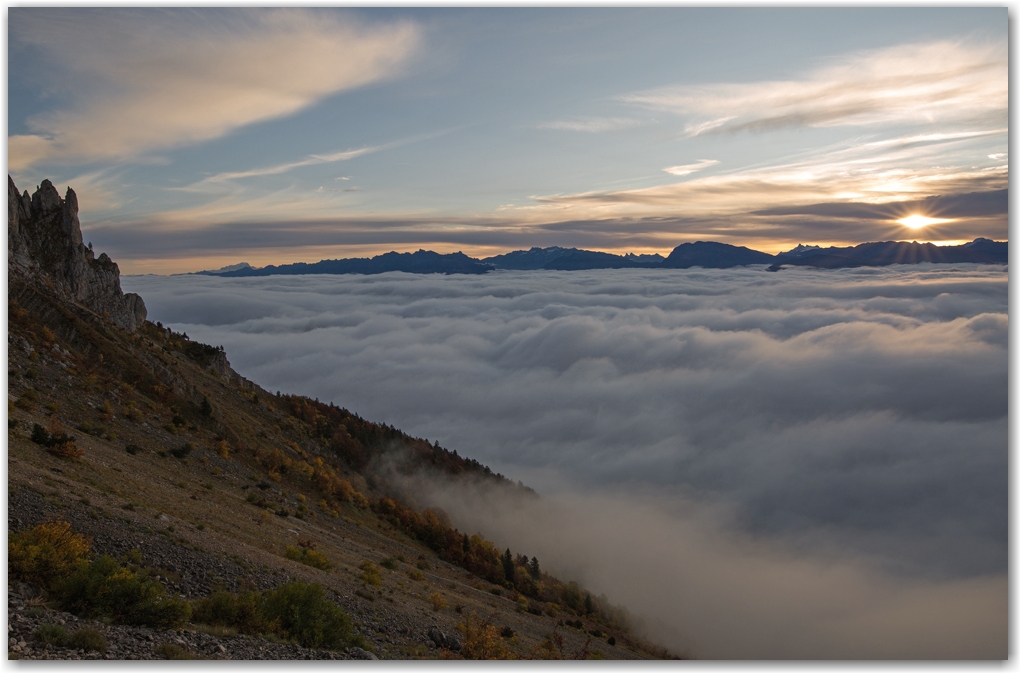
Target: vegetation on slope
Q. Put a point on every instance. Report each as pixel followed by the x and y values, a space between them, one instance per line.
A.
pixel 177 404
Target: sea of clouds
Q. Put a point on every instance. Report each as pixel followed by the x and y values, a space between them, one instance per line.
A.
pixel 810 463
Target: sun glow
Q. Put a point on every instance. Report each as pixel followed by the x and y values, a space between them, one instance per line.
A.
pixel 920 221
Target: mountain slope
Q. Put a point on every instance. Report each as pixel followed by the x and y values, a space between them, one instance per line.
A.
pixel 198 479
pixel 712 255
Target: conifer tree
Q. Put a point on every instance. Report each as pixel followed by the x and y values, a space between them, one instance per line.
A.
pixel 534 570
pixel 508 566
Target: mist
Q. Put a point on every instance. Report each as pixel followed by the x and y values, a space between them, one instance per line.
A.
pixel 803 464
pixel 698 586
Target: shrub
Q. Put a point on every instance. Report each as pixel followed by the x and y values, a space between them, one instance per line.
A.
pixel 389 563
pixel 438 602
pixel 46 554
pixel 104 589
pixel 56 441
pixel 482 641
pixel 89 640
pixel 27 400
pixel 133 449
pixel 66 449
pixel 370 574
pixel 172 651
pixel 309 557
pixel 183 450
pixel 241 611
pixel 51 634
pixel 303 613
pixel 415 574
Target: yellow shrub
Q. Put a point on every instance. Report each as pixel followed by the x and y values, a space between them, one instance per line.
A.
pixel 223 449
pixel 309 557
pixel 438 602
pixel 46 553
pixel 482 641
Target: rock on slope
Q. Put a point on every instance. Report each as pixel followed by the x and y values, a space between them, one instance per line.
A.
pixel 44 244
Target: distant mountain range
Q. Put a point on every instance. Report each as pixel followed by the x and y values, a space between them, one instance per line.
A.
pixel 704 254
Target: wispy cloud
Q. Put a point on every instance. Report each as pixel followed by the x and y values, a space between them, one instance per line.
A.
pixel 938 81
pixel 139 81
pixel 687 169
pixel 591 124
pixel 310 160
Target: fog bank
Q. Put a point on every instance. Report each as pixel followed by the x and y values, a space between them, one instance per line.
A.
pixel 800 456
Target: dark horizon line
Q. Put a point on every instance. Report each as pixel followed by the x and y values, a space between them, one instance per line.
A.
pixel 706 254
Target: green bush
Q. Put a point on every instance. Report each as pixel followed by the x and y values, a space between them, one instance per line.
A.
pixel 105 589
pixel 51 634
pixel 389 563
pixel 303 613
pixel 370 573
pixel 172 651
pixel 240 611
pixel 183 450
pixel 89 640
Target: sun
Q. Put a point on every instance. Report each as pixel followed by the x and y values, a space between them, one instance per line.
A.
pixel 920 221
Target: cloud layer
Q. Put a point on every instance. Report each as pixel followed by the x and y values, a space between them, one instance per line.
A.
pixel 851 424
pixel 135 82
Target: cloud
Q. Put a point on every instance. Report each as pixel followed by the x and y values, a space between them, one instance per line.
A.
pixel 687 169
pixel 945 81
pixel 591 124
pixel 818 459
pixel 897 169
pixel 310 160
pixel 145 80
pixel 976 204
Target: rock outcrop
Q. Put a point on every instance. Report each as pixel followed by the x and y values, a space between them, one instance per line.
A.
pixel 44 247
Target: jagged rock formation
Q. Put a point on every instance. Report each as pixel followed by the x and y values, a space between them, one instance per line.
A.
pixel 44 247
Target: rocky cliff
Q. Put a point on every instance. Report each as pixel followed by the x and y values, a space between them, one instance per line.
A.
pixel 44 248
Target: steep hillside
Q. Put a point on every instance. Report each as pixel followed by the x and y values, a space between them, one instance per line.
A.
pixel 212 496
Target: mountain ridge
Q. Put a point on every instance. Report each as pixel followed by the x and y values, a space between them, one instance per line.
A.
pixel 702 254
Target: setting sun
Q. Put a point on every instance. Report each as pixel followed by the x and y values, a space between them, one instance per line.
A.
pixel 919 221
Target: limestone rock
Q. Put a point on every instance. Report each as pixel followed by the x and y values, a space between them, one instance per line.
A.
pixel 44 246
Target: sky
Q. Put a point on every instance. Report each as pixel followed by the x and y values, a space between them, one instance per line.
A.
pixel 811 463
pixel 196 138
